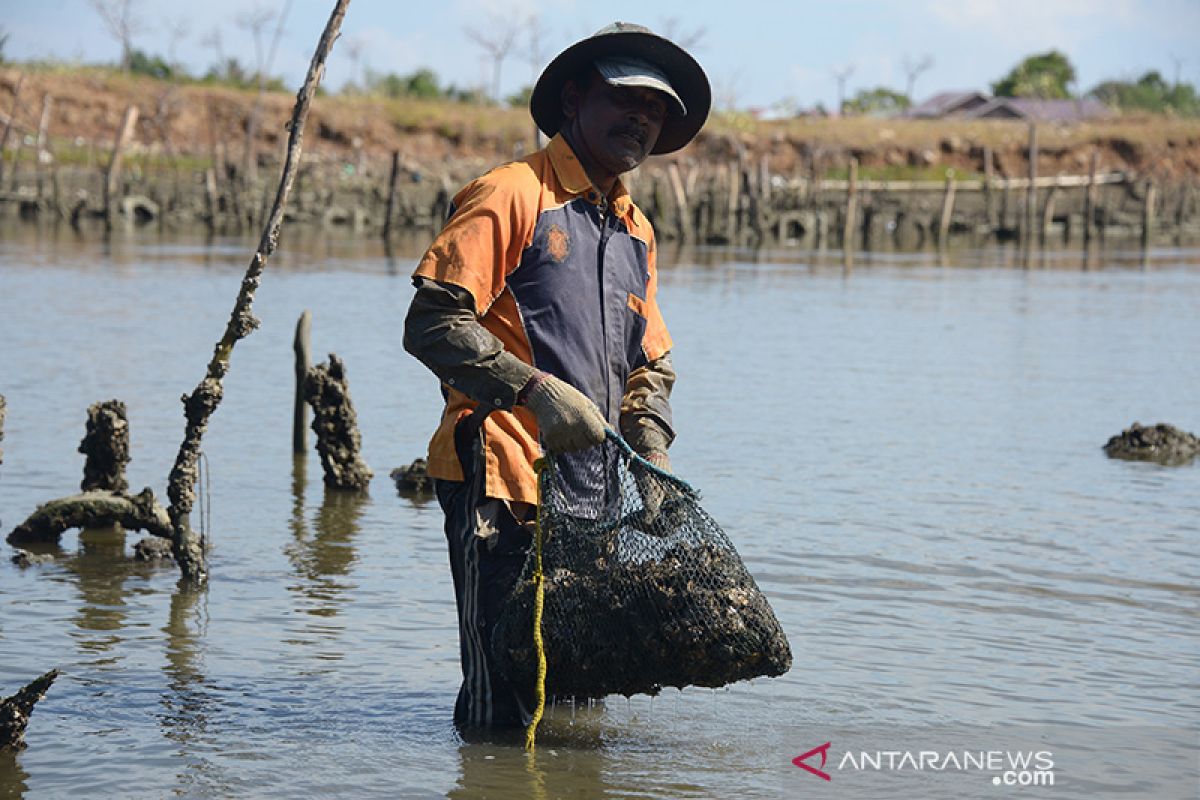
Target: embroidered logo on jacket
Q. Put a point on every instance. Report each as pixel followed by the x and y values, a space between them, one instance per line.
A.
pixel 558 243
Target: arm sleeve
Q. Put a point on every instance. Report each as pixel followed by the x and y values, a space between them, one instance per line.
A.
pixel 646 408
pixel 443 333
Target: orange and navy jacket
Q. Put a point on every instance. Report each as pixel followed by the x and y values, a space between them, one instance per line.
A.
pixel 565 279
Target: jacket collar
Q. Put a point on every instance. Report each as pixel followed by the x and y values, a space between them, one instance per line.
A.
pixel 573 178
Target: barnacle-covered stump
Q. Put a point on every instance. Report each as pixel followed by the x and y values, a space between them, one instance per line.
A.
pixel 93 510
pixel 413 479
pixel 1161 443
pixel 106 447
pixel 15 711
pixel 692 617
pixel 336 426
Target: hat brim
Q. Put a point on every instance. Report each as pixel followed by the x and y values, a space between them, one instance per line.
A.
pixel 686 76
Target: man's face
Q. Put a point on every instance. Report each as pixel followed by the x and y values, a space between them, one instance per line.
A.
pixel 617 126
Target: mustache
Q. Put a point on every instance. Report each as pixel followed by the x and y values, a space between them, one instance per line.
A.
pixel 632 130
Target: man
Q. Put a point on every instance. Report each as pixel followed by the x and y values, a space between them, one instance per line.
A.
pixel 536 309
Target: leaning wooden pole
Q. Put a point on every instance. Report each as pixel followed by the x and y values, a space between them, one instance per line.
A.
pixel 113 172
pixel 186 545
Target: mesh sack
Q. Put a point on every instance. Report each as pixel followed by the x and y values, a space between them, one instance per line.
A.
pixel 642 588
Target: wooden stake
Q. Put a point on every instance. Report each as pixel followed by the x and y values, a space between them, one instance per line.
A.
pixel 187 547
pixel 1148 214
pixel 1047 216
pixel 12 115
pixel 113 173
pixel 1031 192
pixel 302 347
pixel 1089 200
pixel 851 208
pixel 393 186
pixel 947 210
pixel 40 142
pixel 989 211
pixel 683 218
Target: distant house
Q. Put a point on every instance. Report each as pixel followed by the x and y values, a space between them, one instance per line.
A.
pixel 948 104
pixel 978 105
pixel 1035 110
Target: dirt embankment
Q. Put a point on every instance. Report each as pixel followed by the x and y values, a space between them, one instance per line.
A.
pixel 194 123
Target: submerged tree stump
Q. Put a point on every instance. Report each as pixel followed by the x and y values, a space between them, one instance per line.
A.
pixel 16 710
pixel 106 447
pixel 1161 443
pixel 336 426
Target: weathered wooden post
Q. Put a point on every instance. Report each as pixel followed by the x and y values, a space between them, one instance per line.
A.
pixel 947 209
pixel 199 406
pixel 302 348
pixel 40 145
pixel 683 217
pixel 8 124
pixel 393 186
pixel 211 203
pixel 1148 214
pixel 1047 215
pixel 735 186
pixel 1031 192
pixel 113 172
pixel 851 207
pixel 1089 200
pixel 989 209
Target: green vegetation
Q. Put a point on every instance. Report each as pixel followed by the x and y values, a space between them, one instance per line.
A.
pixel 1149 93
pixel 879 101
pixel 1045 75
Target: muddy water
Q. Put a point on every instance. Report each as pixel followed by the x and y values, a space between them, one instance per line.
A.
pixel 907 455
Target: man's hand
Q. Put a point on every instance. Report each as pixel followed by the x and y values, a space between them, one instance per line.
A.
pixel 566 418
pixel 651 489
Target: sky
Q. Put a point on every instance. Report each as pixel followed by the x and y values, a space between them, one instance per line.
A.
pixel 757 54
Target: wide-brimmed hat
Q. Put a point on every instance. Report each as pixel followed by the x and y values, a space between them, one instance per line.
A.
pixel 626 40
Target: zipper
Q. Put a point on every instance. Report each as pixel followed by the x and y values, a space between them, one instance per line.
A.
pixel 604 233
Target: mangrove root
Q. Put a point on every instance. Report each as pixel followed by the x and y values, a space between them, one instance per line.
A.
pixel 106 446
pixel 336 425
pixel 1161 443
pixel 96 509
pixel 15 711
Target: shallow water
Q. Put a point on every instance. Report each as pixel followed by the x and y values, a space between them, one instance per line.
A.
pixel 907 455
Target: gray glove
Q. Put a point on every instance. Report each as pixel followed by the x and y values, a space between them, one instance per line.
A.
pixel 566 418
pixel 651 489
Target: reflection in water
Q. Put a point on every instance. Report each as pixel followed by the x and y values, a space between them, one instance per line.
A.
pixel 101 569
pixel 323 560
pixel 187 702
pixel 14 780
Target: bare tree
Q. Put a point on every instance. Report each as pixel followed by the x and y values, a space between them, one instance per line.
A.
pixel 912 70
pixel 672 28
pixel 356 47
pixel 176 31
pixel 213 40
pixel 841 76
pixel 255 21
pixel 496 40
pixel 121 19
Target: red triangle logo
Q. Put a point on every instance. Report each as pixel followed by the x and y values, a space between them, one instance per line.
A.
pixel 823 750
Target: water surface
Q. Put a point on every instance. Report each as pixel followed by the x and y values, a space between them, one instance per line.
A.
pixel 906 453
